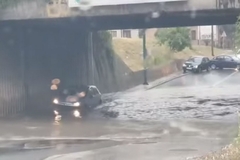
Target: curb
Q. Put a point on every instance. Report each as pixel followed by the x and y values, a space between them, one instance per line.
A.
pixel 168 80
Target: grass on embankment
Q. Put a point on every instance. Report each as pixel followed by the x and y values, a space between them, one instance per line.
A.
pixel 130 51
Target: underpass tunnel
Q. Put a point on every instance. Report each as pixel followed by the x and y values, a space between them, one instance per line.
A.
pixel 31 58
pixel 53 54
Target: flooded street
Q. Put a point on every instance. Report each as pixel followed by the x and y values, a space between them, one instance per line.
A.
pixel 189 116
pixel 198 96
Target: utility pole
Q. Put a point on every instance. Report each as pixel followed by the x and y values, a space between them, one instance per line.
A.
pixel 144 58
pixel 212 40
pixel 91 58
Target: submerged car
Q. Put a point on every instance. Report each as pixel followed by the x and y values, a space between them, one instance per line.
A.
pixel 196 64
pixel 225 61
pixel 75 100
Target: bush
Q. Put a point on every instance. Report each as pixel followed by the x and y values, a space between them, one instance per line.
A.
pixel 177 39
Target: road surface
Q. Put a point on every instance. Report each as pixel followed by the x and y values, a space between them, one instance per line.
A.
pixel 186 117
pixel 212 95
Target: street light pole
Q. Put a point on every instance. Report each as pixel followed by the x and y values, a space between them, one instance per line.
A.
pixel 144 58
pixel 91 57
pixel 212 40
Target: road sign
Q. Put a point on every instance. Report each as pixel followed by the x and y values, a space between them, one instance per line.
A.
pixel 223 35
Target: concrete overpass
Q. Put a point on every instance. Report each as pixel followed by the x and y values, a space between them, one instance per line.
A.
pixel 154 13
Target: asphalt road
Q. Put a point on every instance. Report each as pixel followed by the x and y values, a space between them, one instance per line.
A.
pixel 214 78
pixel 189 116
pixel 213 95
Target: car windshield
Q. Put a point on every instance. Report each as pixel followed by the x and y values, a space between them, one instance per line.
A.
pixel 195 59
pixel 69 91
pixel 73 89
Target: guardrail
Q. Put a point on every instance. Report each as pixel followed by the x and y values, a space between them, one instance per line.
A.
pixel 226 4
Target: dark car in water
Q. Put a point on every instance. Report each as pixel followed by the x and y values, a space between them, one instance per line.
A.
pixel 196 64
pixel 75 100
pixel 225 61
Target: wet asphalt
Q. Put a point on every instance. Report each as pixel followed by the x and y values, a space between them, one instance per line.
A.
pixel 188 116
pixel 213 95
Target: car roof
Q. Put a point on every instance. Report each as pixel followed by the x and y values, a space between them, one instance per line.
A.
pixel 197 56
pixel 231 55
pixel 92 86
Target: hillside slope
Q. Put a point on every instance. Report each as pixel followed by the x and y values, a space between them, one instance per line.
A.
pixel 130 51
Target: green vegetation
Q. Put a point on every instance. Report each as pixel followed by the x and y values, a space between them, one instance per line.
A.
pixel 177 39
pixel 106 38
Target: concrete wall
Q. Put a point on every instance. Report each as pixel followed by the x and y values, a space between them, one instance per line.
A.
pixel 204 4
pixel 133 79
pixel 32 57
pixel 12 93
pixel 31 9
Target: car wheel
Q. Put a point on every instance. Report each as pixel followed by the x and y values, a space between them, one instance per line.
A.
pixel 199 70
pixel 238 67
pixel 213 66
pixel 100 102
pixel 208 69
pixel 220 68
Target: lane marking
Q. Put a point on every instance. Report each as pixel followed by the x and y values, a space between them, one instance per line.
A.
pixel 224 79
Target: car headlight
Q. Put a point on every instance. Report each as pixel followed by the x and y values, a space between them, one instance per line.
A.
pixel 55 112
pixel 55 101
pixel 76 113
pixel 81 94
pixel 184 65
pixel 76 104
pixel 195 66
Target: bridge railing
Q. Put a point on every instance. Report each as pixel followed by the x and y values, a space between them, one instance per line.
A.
pixel 226 4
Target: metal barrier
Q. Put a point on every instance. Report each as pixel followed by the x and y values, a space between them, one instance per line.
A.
pixel 225 4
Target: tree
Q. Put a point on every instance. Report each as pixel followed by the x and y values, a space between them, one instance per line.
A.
pixel 176 38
